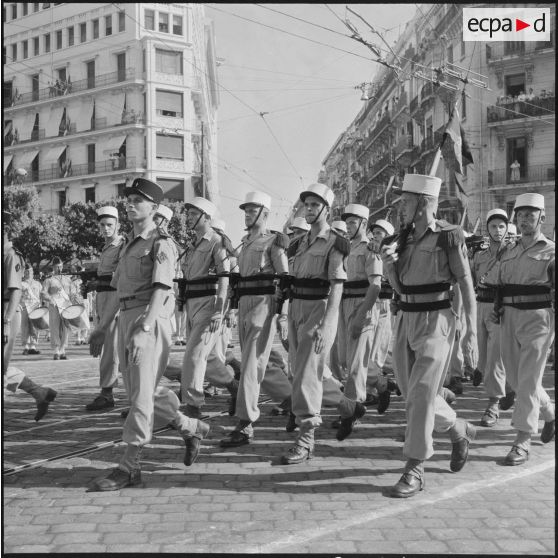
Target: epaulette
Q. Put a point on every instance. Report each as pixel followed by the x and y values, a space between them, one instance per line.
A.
pixel 163 234
pixel 281 239
pixel 341 243
pixel 451 235
pixel 226 243
pixel 293 246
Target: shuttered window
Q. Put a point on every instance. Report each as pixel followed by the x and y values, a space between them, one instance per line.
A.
pixel 170 147
pixel 168 62
pixel 169 103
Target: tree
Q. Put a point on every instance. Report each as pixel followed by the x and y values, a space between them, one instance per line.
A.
pixel 83 232
pixel 22 202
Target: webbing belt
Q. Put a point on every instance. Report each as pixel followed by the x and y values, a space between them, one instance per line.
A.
pixel 424 306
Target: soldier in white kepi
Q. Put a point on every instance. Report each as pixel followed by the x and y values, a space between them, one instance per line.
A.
pixel 107 297
pixel 340 227
pixel 421 265
pixel 526 307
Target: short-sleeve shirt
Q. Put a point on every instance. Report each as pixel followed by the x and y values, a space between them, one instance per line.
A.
pixel 319 258
pixel 423 262
pixel 110 253
pixel 529 266
pixel 31 294
pixel 207 256
pixel 12 271
pixel 260 254
pixel 362 263
pixel 484 266
pixel 147 259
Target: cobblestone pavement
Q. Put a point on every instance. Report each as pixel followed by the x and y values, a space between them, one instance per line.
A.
pixel 243 500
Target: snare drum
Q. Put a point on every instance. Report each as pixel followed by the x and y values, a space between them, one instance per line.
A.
pixel 39 318
pixel 74 317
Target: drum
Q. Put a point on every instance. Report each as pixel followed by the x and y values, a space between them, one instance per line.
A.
pixel 39 318
pixel 74 317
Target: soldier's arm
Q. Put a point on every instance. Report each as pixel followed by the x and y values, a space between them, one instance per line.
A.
pixel 222 265
pixel 374 272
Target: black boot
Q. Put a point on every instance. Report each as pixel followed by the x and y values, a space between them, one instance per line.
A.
pixel 233 390
pixel 291 425
pixel 42 395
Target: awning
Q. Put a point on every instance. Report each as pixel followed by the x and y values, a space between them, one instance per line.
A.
pixel 53 124
pixel 51 156
pixel 7 161
pixel 24 160
pixel 7 127
pixel 112 145
pixel 111 108
pixel 83 120
pixel 24 125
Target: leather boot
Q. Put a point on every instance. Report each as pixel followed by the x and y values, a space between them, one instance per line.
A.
pixel 462 434
pixel 233 390
pixel 116 480
pixel 346 424
pixel 291 425
pixel 42 395
pixel 192 411
pixel 193 443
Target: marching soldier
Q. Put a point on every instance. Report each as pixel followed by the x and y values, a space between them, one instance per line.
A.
pixel 318 274
pixel 261 259
pixel 12 263
pixel 205 285
pixel 144 281
pixel 340 227
pixel 106 299
pixel 358 317
pixel 30 300
pixel 484 269
pixel 526 275
pixel 421 264
pixel 60 292
pixel 381 345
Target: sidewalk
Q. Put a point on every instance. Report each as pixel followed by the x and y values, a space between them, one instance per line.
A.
pixel 244 501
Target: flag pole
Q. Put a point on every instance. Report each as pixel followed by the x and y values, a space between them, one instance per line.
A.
pixel 437 157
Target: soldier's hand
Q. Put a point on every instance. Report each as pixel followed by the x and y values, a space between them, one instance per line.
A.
pixel 356 328
pixel 470 350
pixel 137 345
pixel 6 333
pixel 96 341
pixel 388 254
pixel 496 315
pixel 230 319
pixel 283 327
pixel 321 338
pixel 215 323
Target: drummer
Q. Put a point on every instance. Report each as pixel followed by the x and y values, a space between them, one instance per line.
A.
pixel 30 300
pixel 58 291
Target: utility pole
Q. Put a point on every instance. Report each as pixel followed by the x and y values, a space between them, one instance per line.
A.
pixel 201 165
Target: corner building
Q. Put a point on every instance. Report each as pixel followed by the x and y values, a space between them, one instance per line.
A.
pixel 96 95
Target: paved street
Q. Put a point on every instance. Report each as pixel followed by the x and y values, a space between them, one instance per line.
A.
pixel 243 500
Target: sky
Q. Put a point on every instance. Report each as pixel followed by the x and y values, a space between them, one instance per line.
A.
pixel 307 89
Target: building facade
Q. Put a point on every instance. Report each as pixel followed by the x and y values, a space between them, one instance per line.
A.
pixel 404 115
pixel 95 95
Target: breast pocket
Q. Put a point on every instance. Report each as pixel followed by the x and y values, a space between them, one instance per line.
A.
pixel 434 263
pixel 139 265
pixel 255 259
pixel 317 261
pixel 537 267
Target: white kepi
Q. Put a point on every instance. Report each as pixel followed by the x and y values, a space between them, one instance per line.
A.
pixel 496 214
pixel 319 190
pixel 529 200
pixel 339 226
pixel 165 212
pixel 385 225
pixel 107 211
pixel 355 210
pixel 203 205
pixel 218 224
pixel 422 184
pixel 257 198
pixel 300 223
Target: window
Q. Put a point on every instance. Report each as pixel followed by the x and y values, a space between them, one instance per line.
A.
pixel 173 188
pixel 70 36
pixel 169 103
pixel 46 5
pixel 25 8
pixel 121 21
pixel 14 52
pixel 59 39
pixel 108 25
pixel 14 11
pixel 25 49
pixel 515 84
pixel 82 32
pixel 47 42
pixel 35 7
pixel 95 23
pixel 90 195
pixel 35 46
pixel 177 25
pixel 163 22
pixel 170 147
pixel 149 20
pixel 168 62
pixel 120 190
pixel 61 200
pixel 449 54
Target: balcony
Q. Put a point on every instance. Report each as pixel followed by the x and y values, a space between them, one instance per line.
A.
pixel 537 174
pixel 403 146
pixel 539 106
pixel 414 105
pixel 70 88
pixel 401 104
pixel 427 92
pixel 56 173
pixel 383 162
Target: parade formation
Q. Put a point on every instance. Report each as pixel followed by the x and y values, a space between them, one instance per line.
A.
pixel 342 298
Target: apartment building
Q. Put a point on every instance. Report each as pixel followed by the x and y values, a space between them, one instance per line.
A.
pixel 95 95
pixel 403 118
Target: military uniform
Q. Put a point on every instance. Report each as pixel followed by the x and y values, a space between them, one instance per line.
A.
pixel 526 277
pixel 12 266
